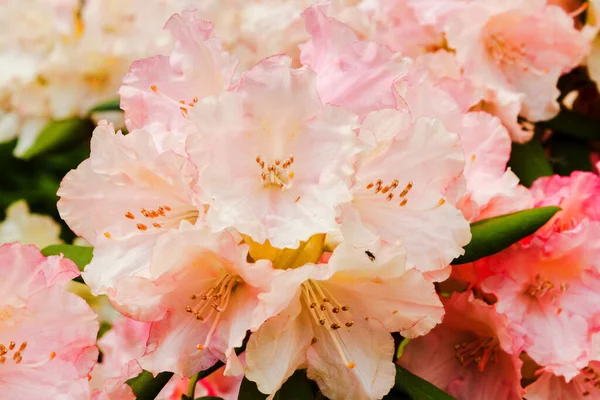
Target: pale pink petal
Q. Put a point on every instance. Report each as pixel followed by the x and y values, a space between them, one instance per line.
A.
pixel 370 347
pixel 278 348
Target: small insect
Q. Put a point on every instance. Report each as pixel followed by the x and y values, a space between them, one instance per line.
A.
pixel 370 255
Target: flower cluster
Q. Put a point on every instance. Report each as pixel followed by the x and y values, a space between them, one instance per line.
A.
pixel 293 184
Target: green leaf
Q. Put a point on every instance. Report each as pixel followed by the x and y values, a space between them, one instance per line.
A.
pixel 492 235
pixel 58 134
pixel 111 105
pixel 417 388
pixel 528 161
pixel 80 255
pixel 297 387
pixel 147 387
pixel 575 125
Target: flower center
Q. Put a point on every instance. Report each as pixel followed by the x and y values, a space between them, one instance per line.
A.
pixel 276 174
pixel 508 49
pixel 211 304
pixel 11 353
pixel 480 352
pixel 325 311
pixel 542 288
pixel 389 191
pixel 161 217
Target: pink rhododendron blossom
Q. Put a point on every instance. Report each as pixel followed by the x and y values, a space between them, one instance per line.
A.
pixel 517 46
pixel 336 318
pixel 199 293
pixel 162 89
pixel 398 26
pixel 548 291
pixel 125 196
pixel 47 335
pixel 274 161
pixel 127 187
pixel 547 285
pixel 491 188
pixel 470 355
pixel 583 386
pixel 121 346
pixel 399 186
pixel 578 196
pixel 351 73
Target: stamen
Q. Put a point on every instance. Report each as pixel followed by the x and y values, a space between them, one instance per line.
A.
pixel 480 351
pixel 214 300
pixel 311 293
pixel 276 173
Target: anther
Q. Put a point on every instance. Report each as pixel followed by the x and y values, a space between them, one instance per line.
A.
pixel 351 364
pixel 349 323
pixel 200 347
pixel 313 305
pixel 390 197
pixel 322 321
pixel 323 308
pixel 370 185
pixel 335 310
pixel 154 88
pixel 107 235
pixel 142 227
pixel 188 309
pixel 193 297
pixel 403 202
pixel 156 225
pixel 345 308
pixel 11 345
pixel 129 215
pixel 335 326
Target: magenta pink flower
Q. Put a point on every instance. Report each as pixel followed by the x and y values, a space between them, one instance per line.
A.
pixel 470 355
pixel 47 335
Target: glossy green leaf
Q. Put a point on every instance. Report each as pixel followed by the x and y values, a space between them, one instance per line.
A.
pixel 80 255
pixel 111 105
pixel 417 388
pixel 58 134
pixel 528 161
pixel 492 235
pixel 147 387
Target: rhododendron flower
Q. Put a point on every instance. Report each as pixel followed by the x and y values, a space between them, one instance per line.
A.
pixel 516 46
pixel 27 228
pixel 547 285
pixel 199 293
pixel 121 346
pixel 351 73
pixel 47 335
pixel 491 188
pixel 399 186
pixel 336 318
pixel 274 161
pixel 399 26
pixel 163 89
pixel 125 195
pixel 586 385
pixel 470 355
pixel 577 196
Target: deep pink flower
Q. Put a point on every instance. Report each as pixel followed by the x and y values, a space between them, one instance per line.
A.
pixel 47 335
pixel 470 355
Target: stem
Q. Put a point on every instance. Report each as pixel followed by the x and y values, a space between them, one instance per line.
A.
pixel 192 385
